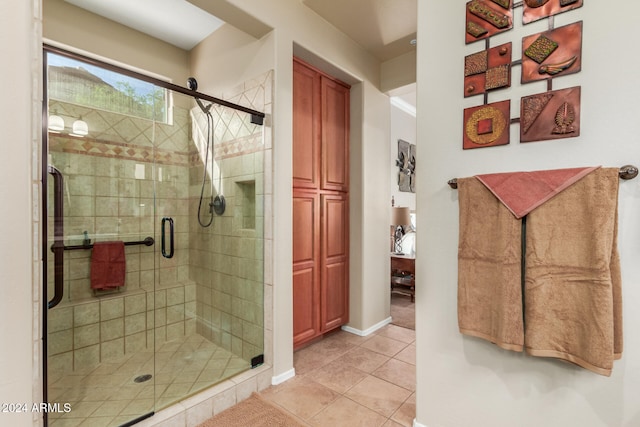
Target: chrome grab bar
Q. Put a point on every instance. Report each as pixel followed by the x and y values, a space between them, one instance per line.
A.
pixel 148 241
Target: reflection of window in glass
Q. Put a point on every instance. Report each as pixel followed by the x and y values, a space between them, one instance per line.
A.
pixel 71 80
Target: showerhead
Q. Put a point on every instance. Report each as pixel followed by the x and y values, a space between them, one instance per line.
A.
pixel 205 109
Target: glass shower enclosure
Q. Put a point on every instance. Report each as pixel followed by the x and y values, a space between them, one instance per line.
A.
pixel 154 249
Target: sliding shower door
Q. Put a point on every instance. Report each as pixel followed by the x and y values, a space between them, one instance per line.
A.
pixel 103 244
pixel 155 243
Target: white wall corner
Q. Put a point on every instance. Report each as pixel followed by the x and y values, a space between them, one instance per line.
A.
pixel 367 331
pixel 287 375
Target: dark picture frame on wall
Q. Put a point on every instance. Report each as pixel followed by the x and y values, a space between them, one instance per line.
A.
pixel 406 163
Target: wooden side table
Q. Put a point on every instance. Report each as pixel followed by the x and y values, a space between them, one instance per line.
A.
pixel 403 278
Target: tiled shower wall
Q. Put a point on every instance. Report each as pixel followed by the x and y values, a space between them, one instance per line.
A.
pixel 109 189
pixel 109 192
pixel 228 261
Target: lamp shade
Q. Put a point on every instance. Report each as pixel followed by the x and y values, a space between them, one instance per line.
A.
pixel 56 123
pixel 80 127
pixel 400 216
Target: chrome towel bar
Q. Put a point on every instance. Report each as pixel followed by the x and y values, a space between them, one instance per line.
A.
pixel 626 172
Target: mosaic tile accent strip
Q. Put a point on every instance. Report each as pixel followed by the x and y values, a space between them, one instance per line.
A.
pixel 116 150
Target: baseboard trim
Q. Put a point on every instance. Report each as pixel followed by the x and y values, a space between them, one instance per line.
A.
pixel 368 331
pixel 287 375
pixel 417 424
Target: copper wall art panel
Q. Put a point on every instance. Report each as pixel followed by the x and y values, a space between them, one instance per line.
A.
pixel 486 125
pixel 487 70
pixel 486 18
pixel 553 53
pixel 550 115
pixel 539 9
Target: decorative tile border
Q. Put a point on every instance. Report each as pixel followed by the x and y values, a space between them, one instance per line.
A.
pixel 116 150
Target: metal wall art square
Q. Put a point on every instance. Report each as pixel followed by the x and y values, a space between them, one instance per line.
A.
pixel 550 115
pixel 486 125
pixel 487 70
pixel 554 53
pixel 539 9
pixel 486 18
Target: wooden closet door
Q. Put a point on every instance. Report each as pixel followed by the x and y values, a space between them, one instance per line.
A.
pixel 306 127
pixel 306 271
pixel 335 136
pixel 334 276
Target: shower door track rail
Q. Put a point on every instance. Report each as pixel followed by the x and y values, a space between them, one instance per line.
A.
pixel 257 117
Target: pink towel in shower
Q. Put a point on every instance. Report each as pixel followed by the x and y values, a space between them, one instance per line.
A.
pixel 108 265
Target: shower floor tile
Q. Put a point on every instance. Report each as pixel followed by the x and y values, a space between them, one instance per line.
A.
pixel 107 395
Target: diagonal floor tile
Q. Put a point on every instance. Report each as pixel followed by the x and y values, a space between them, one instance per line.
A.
pixel 362 359
pixel 346 413
pixel 383 345
pixel 399 373
pixel 337 376
pixel 398 333
pixel 381 396
pixel 301 396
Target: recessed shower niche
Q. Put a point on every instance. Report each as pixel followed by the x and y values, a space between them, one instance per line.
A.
pixel 247 199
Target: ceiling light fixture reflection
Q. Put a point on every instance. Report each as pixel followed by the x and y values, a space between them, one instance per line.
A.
pixel 80 128
pixel 56 123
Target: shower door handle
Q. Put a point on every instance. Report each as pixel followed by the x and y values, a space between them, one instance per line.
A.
pixel 58 237
pixel 164 247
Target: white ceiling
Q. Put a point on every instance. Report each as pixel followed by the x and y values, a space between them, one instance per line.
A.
pixel 383 27
pixel 177 22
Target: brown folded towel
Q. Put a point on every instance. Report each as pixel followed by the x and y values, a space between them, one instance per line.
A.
pixel 489 258
pixel 108 265
pixel 573 303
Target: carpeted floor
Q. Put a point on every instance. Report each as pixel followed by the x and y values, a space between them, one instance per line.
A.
pixel 252 412
pixel 403 311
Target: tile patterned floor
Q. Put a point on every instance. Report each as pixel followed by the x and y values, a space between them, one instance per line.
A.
pixel 106 395
pixel 348 380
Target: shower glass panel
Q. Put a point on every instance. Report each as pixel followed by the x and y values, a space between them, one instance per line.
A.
pixel 153 307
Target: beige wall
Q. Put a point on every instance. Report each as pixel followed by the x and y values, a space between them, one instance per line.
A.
pixel 295 24
pixel 20 364
pixel 464 381
pixel 78 29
